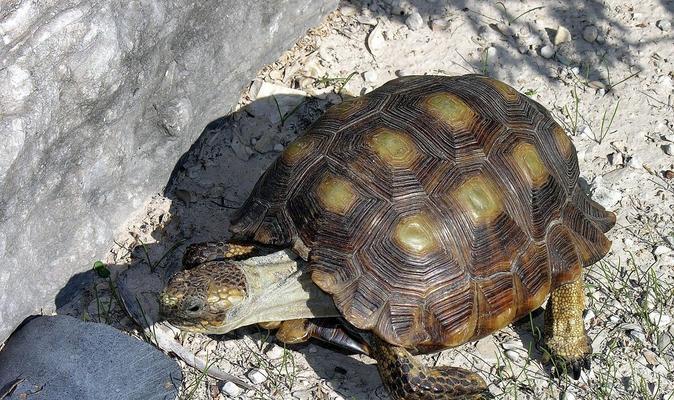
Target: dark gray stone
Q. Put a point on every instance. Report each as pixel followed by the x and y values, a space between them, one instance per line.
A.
pixel 66 358
pixel 97 102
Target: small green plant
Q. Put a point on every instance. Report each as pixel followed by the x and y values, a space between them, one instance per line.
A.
pixel 337 82
pixel 284 117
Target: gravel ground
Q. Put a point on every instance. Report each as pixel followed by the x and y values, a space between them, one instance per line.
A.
pixel 605 70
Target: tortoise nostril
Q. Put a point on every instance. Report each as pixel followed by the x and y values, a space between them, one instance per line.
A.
pixel 195 305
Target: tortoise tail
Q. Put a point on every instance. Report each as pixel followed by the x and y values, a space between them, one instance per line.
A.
pixel 405 378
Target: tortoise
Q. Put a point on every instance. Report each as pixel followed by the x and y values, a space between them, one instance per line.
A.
pixel 427 213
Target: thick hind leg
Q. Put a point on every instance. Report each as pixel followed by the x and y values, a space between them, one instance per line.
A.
pixel 328 330
pixel 406 378
pixel 564 331
pixel 199 253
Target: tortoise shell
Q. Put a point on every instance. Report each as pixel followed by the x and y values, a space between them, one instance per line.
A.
pixel 436 209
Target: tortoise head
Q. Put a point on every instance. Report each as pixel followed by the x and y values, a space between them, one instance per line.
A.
pixel 203 299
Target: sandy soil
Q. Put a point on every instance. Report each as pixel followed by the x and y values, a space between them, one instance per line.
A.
pixel 608 81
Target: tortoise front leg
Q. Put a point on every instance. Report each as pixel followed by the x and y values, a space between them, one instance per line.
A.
pixel 199 253
pixel 405 378
pixel 564 331
pixel 328 330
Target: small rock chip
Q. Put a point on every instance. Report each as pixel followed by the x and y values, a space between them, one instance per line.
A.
pixel 660 320
pixel 231 389
pixel 414 21
pixel 487 349
pixel 597 85
pixel 303 394
pixel 590 33
pixel 638 335
pixel 440 24
pixel 669 174
pixel 664 25
pixel 491 52
pixel 614 318
pixel 512 355
pixel 660 250
pixel 275 352
pixel 568 396
pixel 589 315
pixel 370 76
pixel 562 36
pixel 668 149
pixel 278 147
pixel 547 51
pixel 615 159
pixel 348 11
pixel 650 357
pixel 375 40
pixel 664 341
pixel 257 375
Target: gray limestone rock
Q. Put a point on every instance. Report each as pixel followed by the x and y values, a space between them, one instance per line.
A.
pixel 62 357
pixel 98 100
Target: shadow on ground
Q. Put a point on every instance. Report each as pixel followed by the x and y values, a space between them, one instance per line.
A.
pixel 515 23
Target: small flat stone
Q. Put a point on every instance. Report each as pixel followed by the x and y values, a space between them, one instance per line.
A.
pixel 568 396
pixel 650 357
pixel 590 33
pixel 547 51
pixel 414 21
pixel 562 36
pixel 231 389
pixel 487 349
pixel 275 352
pixel 658 319
pixel 664 25
pixel 278 147
pixel 370 76
pixel 257 375
pixel 668 149
pixel 441 24
pixel 512 355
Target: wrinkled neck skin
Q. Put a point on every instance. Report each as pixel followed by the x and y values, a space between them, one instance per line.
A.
pixel 279 288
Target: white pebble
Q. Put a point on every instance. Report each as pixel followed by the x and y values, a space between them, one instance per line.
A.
pixel 590 33
pixel 414 21
pixel 491 52
pixel 562 36
pixel 375 40
pixel 638 335
pixel 664 25
pixel 370 76
pixel 275 352
pixel 547 51
pixel 589 315
pixel 278 147
pixel 668 149
pixel 568 396
pixel 660 250
pixel 615 158
pixel 231 389
pixel 512 355
pixel 257 375
pixel 614 318
pixel 660 320
pixel 439 24
pixel 634 162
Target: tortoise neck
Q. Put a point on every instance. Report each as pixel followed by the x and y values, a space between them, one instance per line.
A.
pixel 279 288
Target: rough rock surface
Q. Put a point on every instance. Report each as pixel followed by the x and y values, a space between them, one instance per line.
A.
pixel 97 102
pixel 64 358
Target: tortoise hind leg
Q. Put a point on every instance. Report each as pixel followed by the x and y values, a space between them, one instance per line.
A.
pixel 199 253
pixel 405 378
pixel 564 330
